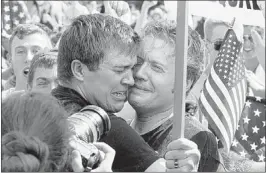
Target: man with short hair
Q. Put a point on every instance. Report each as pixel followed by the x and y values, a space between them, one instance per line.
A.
pixel 25 42
pixel 95 60
pixel 152 96
pixel 42 75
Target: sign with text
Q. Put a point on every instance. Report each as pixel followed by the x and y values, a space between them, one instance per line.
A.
pixel 246 11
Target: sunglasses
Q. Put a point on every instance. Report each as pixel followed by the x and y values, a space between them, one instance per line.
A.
pixel 248 37
pixel 216 44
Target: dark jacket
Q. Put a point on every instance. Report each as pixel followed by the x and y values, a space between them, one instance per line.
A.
pixel 133 154
pixel 210 161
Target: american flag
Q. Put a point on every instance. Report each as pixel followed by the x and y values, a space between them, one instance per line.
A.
pixel 223 96
pixel 12 15
pixel 250 136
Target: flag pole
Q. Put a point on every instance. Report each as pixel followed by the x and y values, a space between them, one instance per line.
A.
pixel 180 69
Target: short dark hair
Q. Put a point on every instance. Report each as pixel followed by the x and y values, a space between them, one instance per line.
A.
pixel 89 38
pixel 46 59
pixel 166 30
pixel 23 30
pixel 35 133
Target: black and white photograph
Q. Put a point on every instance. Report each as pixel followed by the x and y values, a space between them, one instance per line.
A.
pixel 133 86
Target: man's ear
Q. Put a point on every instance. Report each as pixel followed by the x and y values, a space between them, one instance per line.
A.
pixel 78 69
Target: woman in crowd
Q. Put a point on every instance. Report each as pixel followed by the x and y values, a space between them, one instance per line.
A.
pixel 35 136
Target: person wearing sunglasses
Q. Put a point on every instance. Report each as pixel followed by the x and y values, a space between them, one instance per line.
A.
pixel 214 31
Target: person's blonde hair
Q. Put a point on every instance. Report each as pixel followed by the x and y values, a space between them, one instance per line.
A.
pixel 34 133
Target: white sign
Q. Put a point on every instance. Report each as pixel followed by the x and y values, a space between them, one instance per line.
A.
pixel 246 11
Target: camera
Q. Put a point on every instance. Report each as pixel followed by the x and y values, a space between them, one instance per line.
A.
pixel 89 125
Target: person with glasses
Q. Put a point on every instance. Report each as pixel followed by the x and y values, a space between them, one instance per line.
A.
pixel 214 32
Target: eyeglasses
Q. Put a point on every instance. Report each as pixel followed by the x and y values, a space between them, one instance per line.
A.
pixel 216 44
pixel 248 37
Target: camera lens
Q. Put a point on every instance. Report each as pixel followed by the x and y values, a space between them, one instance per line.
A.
pixel 90 124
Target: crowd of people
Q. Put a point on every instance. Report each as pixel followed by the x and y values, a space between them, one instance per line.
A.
pixel 120 57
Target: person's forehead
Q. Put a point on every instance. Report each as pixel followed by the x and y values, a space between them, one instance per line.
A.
pixel 36 39
pixel 118 58
pixel 218 32
pixel 156 49
pixel 247 30
pixel 42 72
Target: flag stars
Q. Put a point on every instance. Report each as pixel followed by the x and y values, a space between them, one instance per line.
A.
pixel 21 15
pixel 6 9
pixel 235 143
pixel 244 137
pixel 7 17
pixel 253 146
pixel 261 157
pixel 243 153
pixel 257 112
pixel 258 99
pixel 262 140
pixel 16 22
pixel 255 129
pixel 225 77
pixel 7 27
pixel 15 8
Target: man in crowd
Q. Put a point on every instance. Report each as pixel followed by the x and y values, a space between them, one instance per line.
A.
pixel 214 31
pixel 25 42
pixel 42 75
pixel 152 96
pixel 95 60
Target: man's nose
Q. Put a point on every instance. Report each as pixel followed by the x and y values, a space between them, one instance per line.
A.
pixel 141 72
pixel 29 57
pixel 128 79
pixel 53 85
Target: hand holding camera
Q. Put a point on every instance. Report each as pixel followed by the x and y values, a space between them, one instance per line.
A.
pixel 88 157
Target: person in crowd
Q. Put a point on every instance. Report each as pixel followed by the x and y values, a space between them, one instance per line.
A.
pixel 157 12
pixel 150 12
pixel 214 33
pixel 152 95
pixel 42 75
pixel 255 71
pixel 74 10
pixel 95 59
pixel 26 41
pixel 35 136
